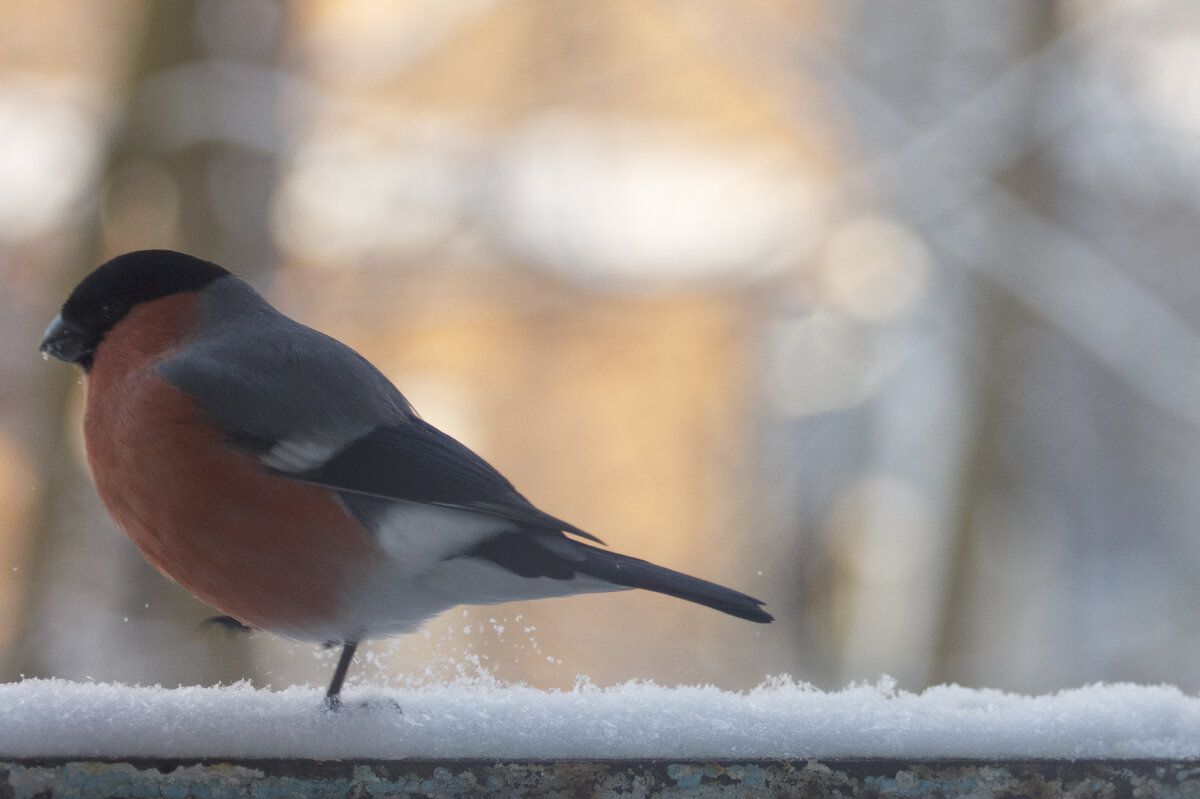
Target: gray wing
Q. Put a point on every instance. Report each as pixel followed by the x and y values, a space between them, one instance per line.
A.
pixel 288 392
pixel 315 411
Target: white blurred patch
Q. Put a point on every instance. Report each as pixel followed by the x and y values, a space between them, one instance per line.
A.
pixel 49 137
pixel 350 193
pixel 598 201
pixel 605 202
pixel 1169 72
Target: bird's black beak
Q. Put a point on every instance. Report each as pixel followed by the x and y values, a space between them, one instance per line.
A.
pixel 65 342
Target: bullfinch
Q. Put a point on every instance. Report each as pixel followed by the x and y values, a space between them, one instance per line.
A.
pixel 279 476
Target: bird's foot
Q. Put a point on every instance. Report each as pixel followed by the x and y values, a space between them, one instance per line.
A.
pixel 227 623
pixel 334 704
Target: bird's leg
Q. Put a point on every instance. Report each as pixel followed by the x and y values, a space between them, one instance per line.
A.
pixel 332 700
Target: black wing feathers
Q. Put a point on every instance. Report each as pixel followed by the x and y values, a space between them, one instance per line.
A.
pixel 522 555
pixel 414 461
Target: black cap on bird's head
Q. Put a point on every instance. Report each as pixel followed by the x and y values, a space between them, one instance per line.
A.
pixel 105 296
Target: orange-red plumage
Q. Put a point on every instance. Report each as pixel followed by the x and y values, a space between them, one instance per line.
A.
pixel 271 552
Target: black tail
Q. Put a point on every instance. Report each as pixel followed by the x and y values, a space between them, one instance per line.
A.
pixel 634 573
pixel 561 558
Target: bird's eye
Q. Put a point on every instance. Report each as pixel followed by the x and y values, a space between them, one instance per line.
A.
pixel 112 311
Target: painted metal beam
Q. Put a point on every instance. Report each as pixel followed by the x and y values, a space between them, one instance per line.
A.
pixel 275 779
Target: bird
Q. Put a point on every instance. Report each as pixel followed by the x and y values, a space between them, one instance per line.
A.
pixel 280 477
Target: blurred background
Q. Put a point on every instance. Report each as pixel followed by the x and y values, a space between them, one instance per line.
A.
pixel 886 313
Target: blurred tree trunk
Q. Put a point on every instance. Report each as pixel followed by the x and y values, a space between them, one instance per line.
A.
pixel 948 117
pixel 991 373
pixel 192 162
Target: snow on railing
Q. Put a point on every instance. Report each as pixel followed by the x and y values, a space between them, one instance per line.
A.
pixel 70 739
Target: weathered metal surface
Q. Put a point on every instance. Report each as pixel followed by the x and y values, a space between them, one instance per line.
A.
pixel 276 779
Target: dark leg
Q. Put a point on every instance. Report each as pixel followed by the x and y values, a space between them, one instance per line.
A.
pixel 332 700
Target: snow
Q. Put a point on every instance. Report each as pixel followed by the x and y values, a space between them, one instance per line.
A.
pixel 486 719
